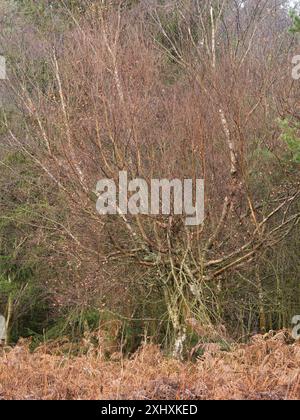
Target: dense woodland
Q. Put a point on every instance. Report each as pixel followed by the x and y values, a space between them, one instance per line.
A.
pixel 161 89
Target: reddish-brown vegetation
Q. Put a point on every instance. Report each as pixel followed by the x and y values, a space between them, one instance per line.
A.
pixel 267 368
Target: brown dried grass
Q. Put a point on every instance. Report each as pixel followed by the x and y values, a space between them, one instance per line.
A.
pixel 267 368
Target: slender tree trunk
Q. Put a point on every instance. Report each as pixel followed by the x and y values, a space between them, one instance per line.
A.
pixel 8 317
pixel 262 314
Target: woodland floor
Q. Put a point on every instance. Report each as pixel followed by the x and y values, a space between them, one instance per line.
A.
pixel 267 368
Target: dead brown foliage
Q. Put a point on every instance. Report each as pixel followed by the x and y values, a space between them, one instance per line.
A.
pixel 267 368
